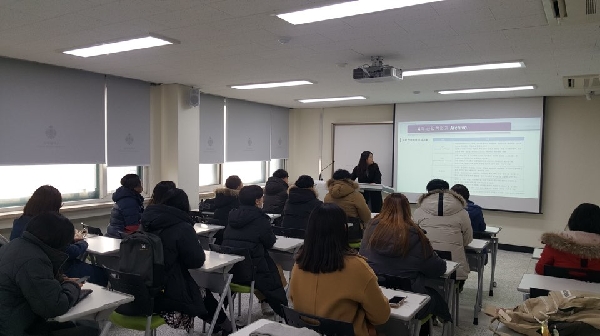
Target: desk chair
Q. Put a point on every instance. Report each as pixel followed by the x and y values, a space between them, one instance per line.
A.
pixel 288 232
pixel 320 325
pixel 243 275
pixel 572 273
pixel 136 315
pixel 403 284
pixel 355 232
pixel 447 255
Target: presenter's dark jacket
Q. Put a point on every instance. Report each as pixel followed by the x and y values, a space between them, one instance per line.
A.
pixel 182 252
pixel 250 228
pixel 300 204
pixel 570 249
pixel 30 291
pixel 372 175
pixel 416 266
pixel 126 213
pixel 225 200
pixel 476 216
pixel 275 195
pixel 345 194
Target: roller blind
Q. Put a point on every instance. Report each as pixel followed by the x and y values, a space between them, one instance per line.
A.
pixel 128 122
pixel 50 114
pixel 248 131
pixel 280 119
pixel 212 132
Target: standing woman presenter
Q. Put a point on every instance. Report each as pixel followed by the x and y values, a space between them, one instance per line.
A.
pixel 367 171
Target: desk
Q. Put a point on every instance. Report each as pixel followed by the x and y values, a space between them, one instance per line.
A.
pixel 102 245
pixel 97 306
pixel 373 214
pixel 273 217
pixel 285 244
pixel 206 232
pixel 476 249
pixel 537 253
pixel 554 284
pixel 247 330
pixel 214 276
pixel 284 250
pixel 407 311
pixel 450 295
pixel 492 232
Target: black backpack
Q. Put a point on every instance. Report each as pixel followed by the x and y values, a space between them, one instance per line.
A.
pixel 141 253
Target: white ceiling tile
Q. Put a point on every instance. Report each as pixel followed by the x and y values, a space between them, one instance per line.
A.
pixel 123 10
pixel 189 17
pixel 506 9
pixel 10 18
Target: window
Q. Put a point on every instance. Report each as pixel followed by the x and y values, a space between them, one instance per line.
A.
pixel 209 174
pixel 249 171
pixel 276 164
pixel 114 175
pixel 74 181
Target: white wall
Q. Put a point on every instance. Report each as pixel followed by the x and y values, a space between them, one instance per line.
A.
pixel 571 143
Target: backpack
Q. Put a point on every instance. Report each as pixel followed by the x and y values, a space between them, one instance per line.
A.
pixel 141 253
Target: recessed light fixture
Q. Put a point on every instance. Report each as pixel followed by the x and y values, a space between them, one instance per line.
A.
pixel 270 85
pixel 496 89
pixel 464 68
pixel 120 46
pixel 346 9
pixel 318 100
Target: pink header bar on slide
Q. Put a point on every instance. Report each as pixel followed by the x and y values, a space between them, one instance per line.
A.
pixel 460 127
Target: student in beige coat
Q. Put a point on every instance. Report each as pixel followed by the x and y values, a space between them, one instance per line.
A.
pixel 442 215
pixel 344 192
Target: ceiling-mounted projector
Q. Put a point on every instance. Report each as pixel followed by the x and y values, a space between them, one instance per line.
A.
pixel 377 72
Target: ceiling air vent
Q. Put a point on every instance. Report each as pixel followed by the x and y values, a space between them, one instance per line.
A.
pixel 584 82
pixel 571 11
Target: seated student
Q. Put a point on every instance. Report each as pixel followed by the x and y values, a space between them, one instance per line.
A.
pixel 160 190
pixel 32 288
pixel 474 210
pixel 181 300
pixel 276 190
pixel 344 192
pixel 48 199
pixel 394 245
pixel 442 215
pixel 331 280
pixel 226 199
pixel 128 208
pixel 577 248
pixel 250 228
pixel 301 202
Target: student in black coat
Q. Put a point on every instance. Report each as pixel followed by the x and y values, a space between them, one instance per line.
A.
pixel 127 210
pixel 301 202
pixel 249 228
pixel 367 171
pixel 170 220
pixel 276 192
pixel 32 287
pixel 226 199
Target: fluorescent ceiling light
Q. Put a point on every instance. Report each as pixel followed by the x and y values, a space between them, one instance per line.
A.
pixel 318 100
pixel 120 46
pixel 270 85
pixel 464 68
pixel 498 89
pixel 346 9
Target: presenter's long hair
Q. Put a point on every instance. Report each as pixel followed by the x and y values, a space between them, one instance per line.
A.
pixel 362 162
pixel 325 241
pixel 393 229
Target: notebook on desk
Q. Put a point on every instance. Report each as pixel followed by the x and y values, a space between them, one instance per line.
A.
pixel 82 295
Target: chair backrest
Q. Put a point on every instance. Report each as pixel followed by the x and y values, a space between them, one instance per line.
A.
pixel 536 292
pixel 321 325
pixel 446 255
pixel 3 240
pixel 279 231
pixel 355 229
pixel 132 284
pixel 394 282
pixel 92 230
pixel 243 271
pixel 572 273
pixel 288 232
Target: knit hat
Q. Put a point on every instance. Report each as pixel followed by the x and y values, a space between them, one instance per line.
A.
pixel 305 182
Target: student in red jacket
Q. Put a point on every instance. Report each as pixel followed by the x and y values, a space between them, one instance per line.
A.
pixel 577 248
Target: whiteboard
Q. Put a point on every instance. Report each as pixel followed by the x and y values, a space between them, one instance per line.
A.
pixel 349 140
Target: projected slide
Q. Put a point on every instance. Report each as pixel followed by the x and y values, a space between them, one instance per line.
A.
pixel 498 159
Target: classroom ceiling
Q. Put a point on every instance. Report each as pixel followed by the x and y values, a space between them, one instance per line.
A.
pixel 225 42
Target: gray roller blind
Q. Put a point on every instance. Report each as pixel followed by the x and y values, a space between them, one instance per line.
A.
pixel 128 122
pixel 248 131
pixel 212 131
pixel 50 115
pixel 280 122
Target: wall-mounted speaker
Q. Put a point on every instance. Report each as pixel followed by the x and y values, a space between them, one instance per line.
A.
pixel 194 97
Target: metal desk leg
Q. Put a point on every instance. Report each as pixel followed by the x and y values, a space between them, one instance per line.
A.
pixel 479 299
pixel 448 328
pixel 494 244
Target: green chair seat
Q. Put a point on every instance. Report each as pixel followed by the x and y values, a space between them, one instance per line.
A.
pixel 135 322
pixel 355 245
pixel 426 319
pixel 237 288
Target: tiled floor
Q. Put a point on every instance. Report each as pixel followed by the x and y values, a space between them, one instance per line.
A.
pixel 509 270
